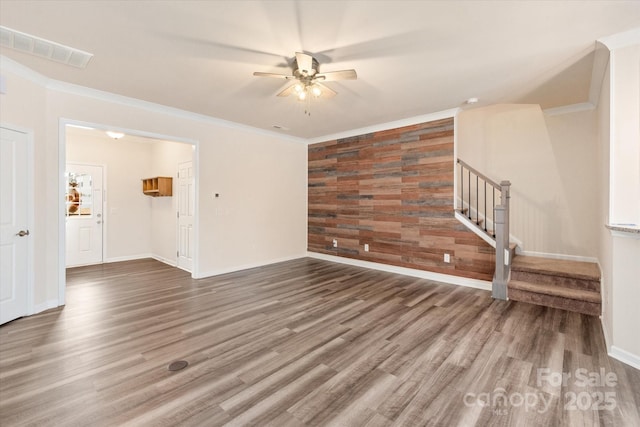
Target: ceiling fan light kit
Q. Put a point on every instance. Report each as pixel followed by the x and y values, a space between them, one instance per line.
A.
pixel 307 85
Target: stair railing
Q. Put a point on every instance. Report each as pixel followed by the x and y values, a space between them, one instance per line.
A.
pixel 490 201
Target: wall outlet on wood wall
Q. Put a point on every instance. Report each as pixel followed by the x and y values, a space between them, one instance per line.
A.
pixel 366 247
pixel 447 258
pixel 335 243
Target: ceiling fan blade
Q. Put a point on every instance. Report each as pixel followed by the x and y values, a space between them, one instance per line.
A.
pixel 305 63
pixel 287 91
pixel 326 92
pixel 278 76
pixel 337 75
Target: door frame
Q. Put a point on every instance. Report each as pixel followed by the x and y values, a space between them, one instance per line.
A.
pixel 30 211
pixel 62 160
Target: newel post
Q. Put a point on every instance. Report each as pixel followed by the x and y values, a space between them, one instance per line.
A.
pixel 503 258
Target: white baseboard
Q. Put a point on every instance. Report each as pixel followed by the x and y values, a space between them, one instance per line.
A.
pixel 44 306
pixel 429 275
pixel 202 275
pixel 625 357
pixel 171 262
pixel 127 258
pixel 557 256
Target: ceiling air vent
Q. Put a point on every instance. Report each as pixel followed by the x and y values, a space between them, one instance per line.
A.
pixel 43 48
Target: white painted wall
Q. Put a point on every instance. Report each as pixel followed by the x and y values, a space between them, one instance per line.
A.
pixel 260 218
pixel 550 163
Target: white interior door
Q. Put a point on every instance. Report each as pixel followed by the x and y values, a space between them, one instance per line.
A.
pixel 84 220
pixel 186 195
pixel 14 234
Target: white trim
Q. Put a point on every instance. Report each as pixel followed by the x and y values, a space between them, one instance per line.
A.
pixel 607 339
pixel 455 163
pixel 474 228
pixel 22 71
pixel 195 158
pixel 47 305
pixel 64 87
pixel 446 114
pixel 429 275
pixel 62 229
pixel 31 221
pixel 172 263
pixel 624 39
pixel 128 258
pixel 565 257
pixel 248 266
pixel 568 109
pixel 625 357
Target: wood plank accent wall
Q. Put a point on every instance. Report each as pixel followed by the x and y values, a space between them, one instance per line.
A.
pixel 394 191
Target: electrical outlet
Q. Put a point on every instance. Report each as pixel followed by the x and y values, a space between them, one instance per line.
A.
pixel 447 258
pixel 335 243
pixel 366 247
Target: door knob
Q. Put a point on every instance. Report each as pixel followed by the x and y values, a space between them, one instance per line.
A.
pixel 98 222
pixel 22 233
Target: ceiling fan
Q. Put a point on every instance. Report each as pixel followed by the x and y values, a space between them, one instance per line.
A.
pixel 308 79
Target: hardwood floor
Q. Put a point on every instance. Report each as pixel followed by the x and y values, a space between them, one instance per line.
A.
pixel 305 342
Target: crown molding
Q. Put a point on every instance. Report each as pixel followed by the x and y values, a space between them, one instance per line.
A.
pixel 568 109
pixel 7 64
pixel 445 114
pixel 72 89
pixel 620 40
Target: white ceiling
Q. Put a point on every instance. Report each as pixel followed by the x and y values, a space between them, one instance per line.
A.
pixel 412 57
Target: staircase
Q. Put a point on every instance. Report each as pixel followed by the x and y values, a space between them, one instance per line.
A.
pixel 568 285
pixel 483 206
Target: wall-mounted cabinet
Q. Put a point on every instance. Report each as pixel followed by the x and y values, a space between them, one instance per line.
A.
pixel 159 186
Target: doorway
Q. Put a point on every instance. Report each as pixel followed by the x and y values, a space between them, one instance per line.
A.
pixel 123 234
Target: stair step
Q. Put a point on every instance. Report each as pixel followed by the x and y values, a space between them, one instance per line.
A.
pixel 568 285
pixel 559 273
pixel 557 291
pixel 556 267
pixel 578 301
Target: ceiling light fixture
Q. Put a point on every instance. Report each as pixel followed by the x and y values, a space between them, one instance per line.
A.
pixel 114 135
pixel 309 82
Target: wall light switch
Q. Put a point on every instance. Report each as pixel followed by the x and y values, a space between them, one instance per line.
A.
pixel 447 258
pixel 366 247
pixel 335 243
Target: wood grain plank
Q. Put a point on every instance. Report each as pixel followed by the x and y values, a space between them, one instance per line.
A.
pixel 300 343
